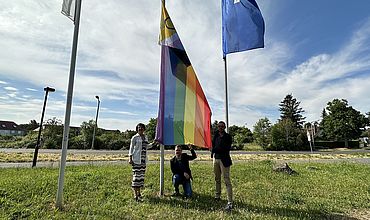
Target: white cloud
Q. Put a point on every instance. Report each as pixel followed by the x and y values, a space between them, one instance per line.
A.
pixel 119 58
pixel 120 112
pixel 9 88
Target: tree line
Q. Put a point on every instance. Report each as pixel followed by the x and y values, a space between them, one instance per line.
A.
pixel 339 122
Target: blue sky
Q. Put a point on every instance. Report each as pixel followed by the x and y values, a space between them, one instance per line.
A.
pixel 316 50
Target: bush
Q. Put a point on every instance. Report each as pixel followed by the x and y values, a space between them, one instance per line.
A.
pixel 54 142
pixel 336 144
pixel 237 147
pixel 285 136
pixel 76 142
pixel 112 141
pixel 28 141
pixel 7 138
pixel 8 141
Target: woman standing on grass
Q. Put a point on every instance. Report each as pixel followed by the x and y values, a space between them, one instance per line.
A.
pixel 138 159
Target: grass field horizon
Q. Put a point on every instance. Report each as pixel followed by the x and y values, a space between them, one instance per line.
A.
pixel 24 157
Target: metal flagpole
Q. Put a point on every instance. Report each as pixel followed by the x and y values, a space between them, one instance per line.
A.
pixel 226 98
pixel 161 168
pixel 161 176
pixel 67 117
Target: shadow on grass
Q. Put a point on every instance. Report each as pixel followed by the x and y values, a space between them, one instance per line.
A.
pixel 207 203
pixel 197 202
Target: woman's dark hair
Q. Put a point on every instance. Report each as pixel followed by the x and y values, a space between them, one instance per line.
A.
pixel 222 122
pixel 140 125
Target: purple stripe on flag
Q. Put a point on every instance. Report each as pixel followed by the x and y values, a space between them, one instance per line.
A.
pixel 170 93
pixel 160 119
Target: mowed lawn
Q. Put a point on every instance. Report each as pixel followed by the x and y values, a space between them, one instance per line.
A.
pixel 318 191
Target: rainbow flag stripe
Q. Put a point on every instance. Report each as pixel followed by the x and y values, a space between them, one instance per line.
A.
pixel 184 116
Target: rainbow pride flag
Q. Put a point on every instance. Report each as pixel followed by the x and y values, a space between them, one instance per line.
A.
pixel 184 116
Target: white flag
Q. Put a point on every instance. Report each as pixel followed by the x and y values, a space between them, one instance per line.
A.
pixel 308 136
pixel 69 9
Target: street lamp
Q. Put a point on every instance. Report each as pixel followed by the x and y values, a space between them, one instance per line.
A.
pixel 311 131
pixel 96 122
pixel 47 90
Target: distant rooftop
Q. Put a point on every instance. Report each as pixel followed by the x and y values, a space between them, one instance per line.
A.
pixel 9 125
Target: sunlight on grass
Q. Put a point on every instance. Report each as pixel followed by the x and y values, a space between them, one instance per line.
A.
pixel 329 191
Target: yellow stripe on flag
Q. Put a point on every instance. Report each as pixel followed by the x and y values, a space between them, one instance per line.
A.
pixel 190 105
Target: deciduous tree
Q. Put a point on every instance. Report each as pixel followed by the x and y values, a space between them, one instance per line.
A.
pixel 261 132
pixel 151 129
pixel 343 122
pixel 286 136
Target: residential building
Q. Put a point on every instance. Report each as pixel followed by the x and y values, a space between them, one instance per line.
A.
pixel 11 128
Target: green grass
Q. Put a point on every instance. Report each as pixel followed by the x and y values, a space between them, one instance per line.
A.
pixel 319 191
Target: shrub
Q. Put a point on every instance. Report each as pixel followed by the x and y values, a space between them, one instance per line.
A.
pixel 112 141
pixel 336 144
pixel 286 136
pixel 76 142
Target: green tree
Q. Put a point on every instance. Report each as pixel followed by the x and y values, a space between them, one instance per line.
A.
pixel 241 135
pixel 322 135
pixel 76 142
pixel 262 132
pixel 32 125
pixel 233 130
pixel 324 114
pixel 343 122
pixel 127 135
pixel 111 140
pixel 286 136
pixel 151 129
pixel 214 126
pixel 289 109
pixel 87 129
pixel 52 134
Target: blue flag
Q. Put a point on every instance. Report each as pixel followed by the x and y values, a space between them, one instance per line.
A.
pixel 243 27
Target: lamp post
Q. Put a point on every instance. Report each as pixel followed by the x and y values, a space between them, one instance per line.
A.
pixel 311 131
pixel 96 122
pixel 47 90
